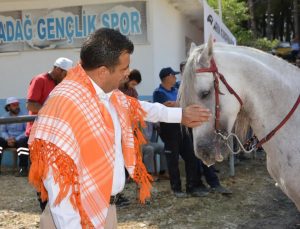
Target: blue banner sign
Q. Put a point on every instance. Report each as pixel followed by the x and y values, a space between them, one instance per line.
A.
pixel 68 27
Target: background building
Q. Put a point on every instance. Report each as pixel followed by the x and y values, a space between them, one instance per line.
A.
pixel 33 33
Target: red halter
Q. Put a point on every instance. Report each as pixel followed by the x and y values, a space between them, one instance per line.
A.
pixel 217 75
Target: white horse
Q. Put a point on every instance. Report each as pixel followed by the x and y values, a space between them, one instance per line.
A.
pixel 268 87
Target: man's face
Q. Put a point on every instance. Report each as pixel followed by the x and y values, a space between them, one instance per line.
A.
pixel 58 74
pixel 14 108
pixel 118 74
pixel 61 75
pixel 171 79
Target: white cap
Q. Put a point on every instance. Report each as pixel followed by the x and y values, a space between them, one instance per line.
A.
pixel 63 63
pixel 11 100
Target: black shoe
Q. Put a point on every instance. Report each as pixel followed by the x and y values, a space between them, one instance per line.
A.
pixel 122 201
pixel 180 194
pixel 220 189
pixel 23 172
pixel 198 192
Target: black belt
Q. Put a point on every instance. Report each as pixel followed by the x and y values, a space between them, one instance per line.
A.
pixel 114 199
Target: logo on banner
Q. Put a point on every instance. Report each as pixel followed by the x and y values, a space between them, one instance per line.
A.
pixel 214 26
pixel 125 19
pixel 210 19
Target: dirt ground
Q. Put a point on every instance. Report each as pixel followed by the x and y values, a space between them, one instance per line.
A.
pixel 255 203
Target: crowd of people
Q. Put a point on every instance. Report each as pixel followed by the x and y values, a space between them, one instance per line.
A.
pixel 88 135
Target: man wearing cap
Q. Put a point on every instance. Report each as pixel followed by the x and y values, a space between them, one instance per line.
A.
pixel 13 135
pixel 41 86
pixel 177 142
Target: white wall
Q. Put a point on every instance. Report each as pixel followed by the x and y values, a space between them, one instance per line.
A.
pixel 167 29
pixel 171 28
pixel 17 69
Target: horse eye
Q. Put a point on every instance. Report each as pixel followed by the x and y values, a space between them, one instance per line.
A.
pixel 204 94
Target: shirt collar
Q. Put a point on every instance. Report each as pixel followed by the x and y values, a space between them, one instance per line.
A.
pixel 101 94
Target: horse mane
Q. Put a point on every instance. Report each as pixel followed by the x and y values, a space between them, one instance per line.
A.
pixel 242 125
pixel 272 62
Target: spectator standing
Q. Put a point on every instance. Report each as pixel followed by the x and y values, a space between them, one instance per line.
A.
pixel 42 84
pixel 176 142
pixel 39 90
pixel 13 135
pixel 127 86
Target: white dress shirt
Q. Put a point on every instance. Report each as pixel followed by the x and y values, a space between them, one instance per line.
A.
pixel 64 215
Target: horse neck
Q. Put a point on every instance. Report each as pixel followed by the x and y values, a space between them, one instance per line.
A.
pixel 268 87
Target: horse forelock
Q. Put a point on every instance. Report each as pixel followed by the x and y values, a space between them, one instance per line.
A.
pixel 187 92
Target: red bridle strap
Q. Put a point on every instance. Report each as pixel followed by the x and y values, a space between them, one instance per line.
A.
pixel 213 69
pixel 217 75
pixel 270 135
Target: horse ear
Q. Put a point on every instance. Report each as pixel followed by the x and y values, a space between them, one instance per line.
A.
pixel 207 52
pixel 192 48
pixel 210 44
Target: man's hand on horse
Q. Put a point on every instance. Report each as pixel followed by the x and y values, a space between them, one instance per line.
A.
pixel 171 104
pixel 195 115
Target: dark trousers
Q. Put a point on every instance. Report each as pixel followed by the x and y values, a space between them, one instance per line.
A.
pixel 178 142
pixel 209 173
pixel 22 150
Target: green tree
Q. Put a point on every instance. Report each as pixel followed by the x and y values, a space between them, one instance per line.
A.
pixel 240 19
pixel 234 13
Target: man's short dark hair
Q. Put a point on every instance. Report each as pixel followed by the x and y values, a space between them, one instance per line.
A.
pixel 135 75
pixel 103 48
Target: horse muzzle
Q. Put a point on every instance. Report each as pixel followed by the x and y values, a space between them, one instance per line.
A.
pixel 211 151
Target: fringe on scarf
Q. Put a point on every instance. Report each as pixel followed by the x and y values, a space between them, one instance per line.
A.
pixel 45 154
pixel 140 175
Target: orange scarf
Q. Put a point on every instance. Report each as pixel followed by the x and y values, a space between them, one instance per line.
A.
pixel 74 135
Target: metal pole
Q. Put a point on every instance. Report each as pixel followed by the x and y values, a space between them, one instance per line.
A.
pixel 231 161
pixel 231 165
pixel 18 119
pixel 220 9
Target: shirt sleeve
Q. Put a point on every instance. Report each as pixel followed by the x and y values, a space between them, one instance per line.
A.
pixel 157 112
pixel 35 90
pixel 63 214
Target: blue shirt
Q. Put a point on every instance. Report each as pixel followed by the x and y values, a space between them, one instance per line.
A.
pixel 162 95
pixel 16 130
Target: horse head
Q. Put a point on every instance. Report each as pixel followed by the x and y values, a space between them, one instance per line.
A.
pixel 199 88
pixel 265 95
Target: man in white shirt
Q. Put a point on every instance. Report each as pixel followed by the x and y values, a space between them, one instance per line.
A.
pixel 87 132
